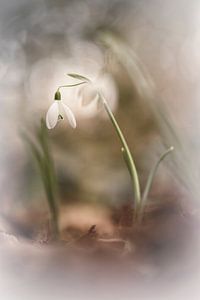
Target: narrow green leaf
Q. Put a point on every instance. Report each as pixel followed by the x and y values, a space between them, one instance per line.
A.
pixel 47 171
pixel 152 176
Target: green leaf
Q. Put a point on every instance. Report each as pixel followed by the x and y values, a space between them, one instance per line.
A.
pixel 42 155
pixel 152 176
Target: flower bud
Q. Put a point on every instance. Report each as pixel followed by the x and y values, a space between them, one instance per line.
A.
pixel 57 95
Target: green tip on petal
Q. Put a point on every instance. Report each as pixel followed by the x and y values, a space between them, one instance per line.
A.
pixel 57 95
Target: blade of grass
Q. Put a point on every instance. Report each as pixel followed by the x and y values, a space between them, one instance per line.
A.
pixel 47 172
pixel 151 178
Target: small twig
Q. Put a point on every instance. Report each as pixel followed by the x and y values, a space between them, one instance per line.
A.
pixel 90 233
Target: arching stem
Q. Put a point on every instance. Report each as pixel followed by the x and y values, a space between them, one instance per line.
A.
pixel 127 156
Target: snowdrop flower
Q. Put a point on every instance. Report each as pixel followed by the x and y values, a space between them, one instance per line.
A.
pixel 57 112
pixel 93 90
pixel 88 93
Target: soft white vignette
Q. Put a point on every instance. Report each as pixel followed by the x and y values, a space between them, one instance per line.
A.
pixel 39 279
pixel 15 286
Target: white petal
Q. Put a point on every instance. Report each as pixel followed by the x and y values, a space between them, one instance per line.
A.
pixel 70 115
pixel 99 102
pixel 52 115
pixel 87 94
pixel 108 88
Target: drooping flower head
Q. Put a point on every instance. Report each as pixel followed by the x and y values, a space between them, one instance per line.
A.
pixel 58 111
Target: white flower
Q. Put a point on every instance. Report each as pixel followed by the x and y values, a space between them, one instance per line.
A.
pixel 93 90
pixel 88 93
pixel 57 111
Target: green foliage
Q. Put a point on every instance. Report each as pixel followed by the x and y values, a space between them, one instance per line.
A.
pixel 41 152
pixel 150 180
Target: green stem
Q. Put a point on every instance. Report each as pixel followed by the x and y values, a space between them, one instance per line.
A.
pixel 129 159
pixel 71 85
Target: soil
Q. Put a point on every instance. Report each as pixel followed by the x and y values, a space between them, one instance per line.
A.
pixel 160 246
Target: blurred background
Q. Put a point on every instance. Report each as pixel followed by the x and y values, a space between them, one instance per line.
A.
pixel 148 54
pixel 150 51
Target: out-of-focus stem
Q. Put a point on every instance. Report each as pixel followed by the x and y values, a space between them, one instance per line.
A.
pixel 150 180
